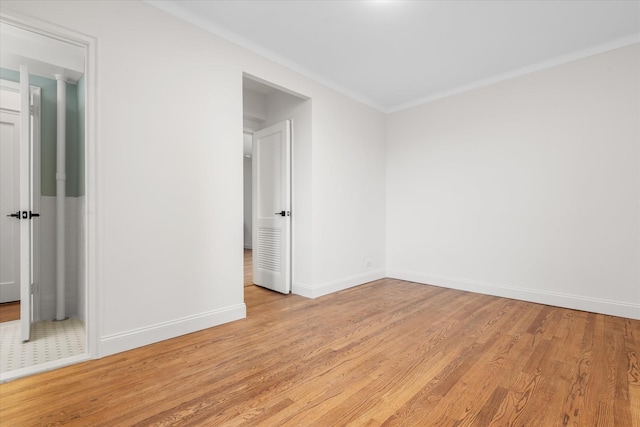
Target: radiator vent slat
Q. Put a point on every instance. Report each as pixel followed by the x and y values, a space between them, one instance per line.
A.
pixel 269 249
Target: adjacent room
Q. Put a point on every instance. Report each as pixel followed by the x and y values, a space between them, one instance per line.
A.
pixel 42 288
pixel 323 213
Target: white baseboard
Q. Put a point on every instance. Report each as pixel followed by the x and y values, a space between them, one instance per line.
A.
pixel 613 308
pixel 302 289
pixel 116 343
pixel 326 288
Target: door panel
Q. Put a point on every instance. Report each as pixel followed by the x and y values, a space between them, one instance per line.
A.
pixel 25 205
pixel 271 197
pixel 9 204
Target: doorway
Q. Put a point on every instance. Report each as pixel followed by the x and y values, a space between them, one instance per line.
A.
pixel 265 105
pixel 50 343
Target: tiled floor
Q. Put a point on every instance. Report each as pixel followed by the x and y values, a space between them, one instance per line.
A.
pixel 49 341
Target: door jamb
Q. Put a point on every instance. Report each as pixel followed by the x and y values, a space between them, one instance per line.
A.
pixel 92 199
pixel 251 131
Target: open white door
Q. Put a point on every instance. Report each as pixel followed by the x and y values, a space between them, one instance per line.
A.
pixel 272 207
pixel 9 204
pixel 25 205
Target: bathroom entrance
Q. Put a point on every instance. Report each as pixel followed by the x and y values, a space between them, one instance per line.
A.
pixel 42 239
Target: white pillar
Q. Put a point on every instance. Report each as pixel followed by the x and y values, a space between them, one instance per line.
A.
pixel 61 179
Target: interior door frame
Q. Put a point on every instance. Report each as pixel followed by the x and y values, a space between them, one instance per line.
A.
pixel 251 130
pixel 35 101
pixel 92 199
pixel 26 203
pixel 286 205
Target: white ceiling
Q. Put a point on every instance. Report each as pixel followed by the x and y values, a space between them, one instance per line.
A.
pixel 394 54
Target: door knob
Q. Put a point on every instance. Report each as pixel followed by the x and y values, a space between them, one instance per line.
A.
pixel 283 213
pixel 24 215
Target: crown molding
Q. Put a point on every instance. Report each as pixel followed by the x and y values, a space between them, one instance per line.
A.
pixel 176 9
pixel 553 62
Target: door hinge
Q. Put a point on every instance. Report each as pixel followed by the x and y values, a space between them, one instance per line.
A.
pixel 32 289
pixel 32 110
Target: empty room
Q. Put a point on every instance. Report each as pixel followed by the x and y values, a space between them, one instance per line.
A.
pixel 454 238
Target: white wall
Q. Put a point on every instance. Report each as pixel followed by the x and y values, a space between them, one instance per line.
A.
pixel 349 196
pixel 528 188
pixel 169 172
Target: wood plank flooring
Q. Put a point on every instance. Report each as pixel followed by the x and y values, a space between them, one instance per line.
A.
pixel 388 353
pixel 248 267
pixel 9 311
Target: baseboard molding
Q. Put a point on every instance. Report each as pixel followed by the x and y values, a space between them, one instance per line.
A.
pixel 302 289
pixel 613 308
pixel 116 343
pixel 311 291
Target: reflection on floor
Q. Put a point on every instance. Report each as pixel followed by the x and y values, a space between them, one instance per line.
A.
pixel 49 341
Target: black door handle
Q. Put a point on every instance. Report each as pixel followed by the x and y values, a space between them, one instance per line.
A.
pixel 24 215
pixel 283 213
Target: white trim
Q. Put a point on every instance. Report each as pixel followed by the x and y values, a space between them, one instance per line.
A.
pixel 92 204
pixel 36 196
pixel 46 29
pixel 576 302
pixel 310 291
pixel 128 340
pixel 91 153
pixel 42 367
pixel 549 63
pixel 179 11
pixel 175 9
pixel 11 86
pixel 302 289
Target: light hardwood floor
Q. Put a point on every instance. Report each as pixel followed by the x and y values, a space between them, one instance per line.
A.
pixel 389 353
pixel 9 311
pixel 248 268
